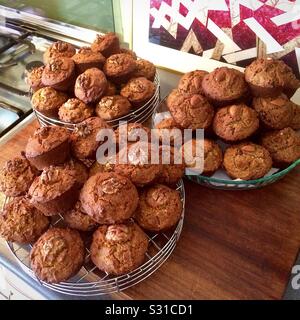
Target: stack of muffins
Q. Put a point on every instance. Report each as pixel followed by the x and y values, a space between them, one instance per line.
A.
pixel 114 203
pixel 103 80
pixel 250 113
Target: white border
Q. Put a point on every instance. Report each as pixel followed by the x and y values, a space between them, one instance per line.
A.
pixel 163 56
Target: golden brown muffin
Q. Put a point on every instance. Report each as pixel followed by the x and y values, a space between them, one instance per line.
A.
pixel 172 165
pixel 109 198
pixel 208 159
pixel 59 74
pixel 283 145
pixel 16 176
pixel 21 222
pixel 295 123
pixel 225 86
pixel 90 86
pixel 57 255
pixel 159 208
pixel 130 52
pixel 48 146
pixel 34 78
pixel 119 67
pixel 59 49
pixel 78 169
pixel 191 82
pixel 86 59
pixel 132 132
pixel 113 107
pixel 145 68
pixel 275 113
pixel 138 91
pixel 75 111
pixel 168 131
pixel 247 161
pixel 236 122
pixel 84 142
pixel 54 191
pixel 138 164
pixel 48 101
pixel 77 219
pixel 107 44
pixel 120 248
pixel 190 111
pixel 269 77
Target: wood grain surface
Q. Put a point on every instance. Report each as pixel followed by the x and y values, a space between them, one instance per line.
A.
pixel 234 245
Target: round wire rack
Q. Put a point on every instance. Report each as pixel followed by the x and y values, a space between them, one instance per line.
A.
pixel 225 183
pixel 90 281
pixel 140 114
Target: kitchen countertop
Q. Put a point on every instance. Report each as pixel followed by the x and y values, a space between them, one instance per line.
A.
pixel 234 244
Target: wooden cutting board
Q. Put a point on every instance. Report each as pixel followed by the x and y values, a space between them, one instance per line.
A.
pixel 234 245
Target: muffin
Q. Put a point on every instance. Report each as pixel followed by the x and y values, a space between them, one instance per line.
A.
pixel 48 101
pixel 54 191
pixel 135 162
pixel 235 123
pixel 119 68
pixel 77 219
pixel 295 123
pixel 86 59
pixel 74 111
pixel 138 91
pixel 34 78
pixel 191 82
pixel 84 142
pixel 21 222
pixel 145 69
pixel 59 49
pixel 109 198
pixel 48 146
pixel 225 86
pixel 107 44
pixel 132 132
pixel 269 77
pixel 159 208
pixel 119 248
pixel 168 131
pixel 274 113
pixel 190 111
pixel 57 255
pixel 129 52
pixel 16 176
pixel 90 86
pixel 207 160
pixel 172 165
pixel 113 107
pixel 111 89
pixel 78 169
pixel 247 161
pixel 59 74
pixel 283 145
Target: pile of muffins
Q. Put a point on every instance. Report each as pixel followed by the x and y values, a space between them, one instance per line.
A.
pixel 112 204
pixel 103 80
pixel 250 113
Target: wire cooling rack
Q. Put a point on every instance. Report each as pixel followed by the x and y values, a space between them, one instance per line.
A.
pixel 90 281
pixel 140 114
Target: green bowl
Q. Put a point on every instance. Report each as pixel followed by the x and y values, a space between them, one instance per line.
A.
pixel 241 185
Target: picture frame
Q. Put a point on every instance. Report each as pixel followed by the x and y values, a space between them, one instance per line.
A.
pixel 234 55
